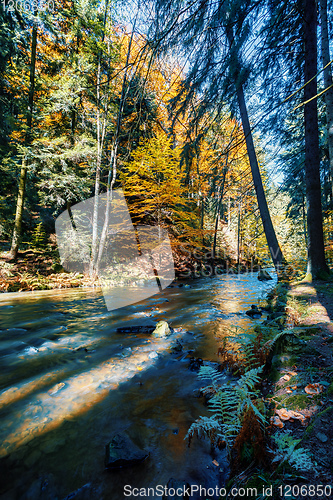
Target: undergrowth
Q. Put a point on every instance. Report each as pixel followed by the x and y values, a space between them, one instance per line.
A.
pixel 239 417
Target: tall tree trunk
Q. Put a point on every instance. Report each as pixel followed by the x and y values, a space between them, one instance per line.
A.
pixel 273 245
pixel 272 242
pixel 100 145
pixel 325 56
pixel 239 233
pixel 316 249
pixel 113 159
pixel 219 204
pixel 23 174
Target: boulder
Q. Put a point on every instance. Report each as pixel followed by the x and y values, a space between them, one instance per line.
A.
pixel 264 275
pixel 162 330
pixel 121 451
pixel 254 312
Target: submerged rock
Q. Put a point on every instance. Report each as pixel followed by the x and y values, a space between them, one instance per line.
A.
pixel 162 330
pixel 195 364
pixel 121 451
pixel 254 312
pixel 136 329
pixel 264 275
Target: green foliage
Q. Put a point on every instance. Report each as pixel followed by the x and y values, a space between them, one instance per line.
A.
pixel 229 404
pixel 248 349
pixel 38 239
pixel 287 451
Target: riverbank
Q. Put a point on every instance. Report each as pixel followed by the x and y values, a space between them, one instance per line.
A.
pixel 41 270
pixel 37 270
pixel 297 388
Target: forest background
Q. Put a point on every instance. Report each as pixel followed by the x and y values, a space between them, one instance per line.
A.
pixel 154 98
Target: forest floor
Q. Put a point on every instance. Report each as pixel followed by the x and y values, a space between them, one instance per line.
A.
pixel 37 270
pixel 298 388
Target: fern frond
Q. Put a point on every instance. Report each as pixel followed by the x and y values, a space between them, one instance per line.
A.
pixel 286 451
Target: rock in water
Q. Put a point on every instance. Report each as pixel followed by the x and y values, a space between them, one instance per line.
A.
pixel 162 330
pixel 264 275
pixel 122 452
pixel 136 329
pixel 254 312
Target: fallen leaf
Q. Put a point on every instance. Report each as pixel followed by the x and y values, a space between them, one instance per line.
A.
pixel 294 387
pixel 286 377
pixel 277 422
pixel 313 389
pixel 216 463
pixel 292 374
pixel 288 390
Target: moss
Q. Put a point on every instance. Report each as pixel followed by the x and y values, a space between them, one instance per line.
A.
pixel 330 389
pixel 295 402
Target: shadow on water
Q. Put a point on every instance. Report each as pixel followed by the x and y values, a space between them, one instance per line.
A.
pixel 75 382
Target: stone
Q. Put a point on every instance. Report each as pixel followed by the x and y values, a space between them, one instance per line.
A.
pixel 121 451
pixel 136 329
pixel 162 330
pixel 322 437
pixel 254 312
pixel 264 275
pixel 153 355
pixel 195 364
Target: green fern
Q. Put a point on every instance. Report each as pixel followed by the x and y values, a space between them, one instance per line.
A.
pixel 299 458
pixel 229 404
pixel 38 238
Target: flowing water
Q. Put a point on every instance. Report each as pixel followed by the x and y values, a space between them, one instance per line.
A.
pixel 69 381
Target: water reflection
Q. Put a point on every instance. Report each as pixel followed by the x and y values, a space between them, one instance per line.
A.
pixel 70 381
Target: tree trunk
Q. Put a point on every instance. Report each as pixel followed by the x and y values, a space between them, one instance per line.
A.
pixel 100 145
pixel 238 233
pixel 219 204
pixel 114 151
pixel 272 241
pixel 316 249
pixel 23 174
pixel 325 56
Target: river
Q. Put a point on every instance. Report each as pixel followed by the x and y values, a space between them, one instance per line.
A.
pixel 70 381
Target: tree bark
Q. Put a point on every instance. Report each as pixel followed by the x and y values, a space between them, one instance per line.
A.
pixel 273 245
pixel 325 56
pixel 23 174
pixel 316 249
pixel 272 242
